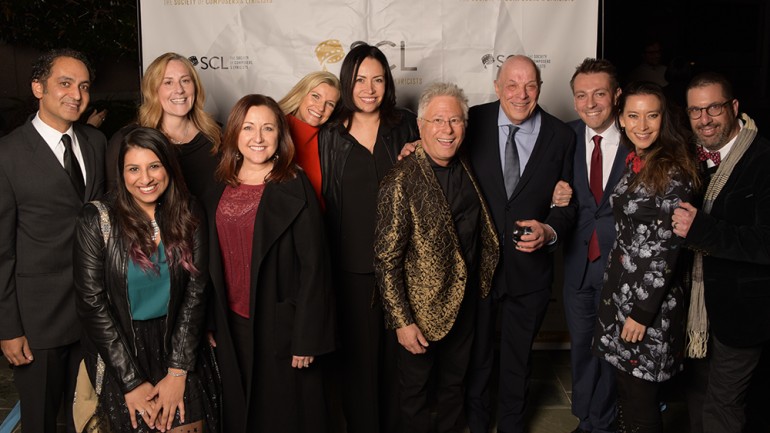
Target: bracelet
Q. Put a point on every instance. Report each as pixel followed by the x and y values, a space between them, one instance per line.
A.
pixel 172 374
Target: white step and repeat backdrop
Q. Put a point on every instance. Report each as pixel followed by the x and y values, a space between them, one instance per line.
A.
pixel 265 46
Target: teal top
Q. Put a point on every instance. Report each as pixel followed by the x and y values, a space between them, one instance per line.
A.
pixel 148 291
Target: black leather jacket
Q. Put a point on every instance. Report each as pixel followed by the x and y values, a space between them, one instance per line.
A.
pixel 100 276
pixel 334 144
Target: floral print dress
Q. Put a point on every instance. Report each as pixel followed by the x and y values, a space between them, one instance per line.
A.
pixel 642 281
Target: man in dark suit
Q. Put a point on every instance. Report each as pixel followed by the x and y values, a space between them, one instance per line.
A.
pixel 730 234
pixel 599 162
pixel 435 254
pixel 49 167
pixel 519 152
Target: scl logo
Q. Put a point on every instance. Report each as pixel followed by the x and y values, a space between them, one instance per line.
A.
pixel 209 62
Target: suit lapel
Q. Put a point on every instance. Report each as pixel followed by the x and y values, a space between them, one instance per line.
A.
pixel 43 157
pixel 618 167
pixel 444 218
pixel 89 160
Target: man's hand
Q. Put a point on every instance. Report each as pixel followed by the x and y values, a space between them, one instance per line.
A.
pixel 683 218
pixel 541 235
pixel 562 194
pixel 412 339
pixel 408 149
pixel 17 351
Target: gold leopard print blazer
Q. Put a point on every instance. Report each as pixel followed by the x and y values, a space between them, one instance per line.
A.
pixel 419 266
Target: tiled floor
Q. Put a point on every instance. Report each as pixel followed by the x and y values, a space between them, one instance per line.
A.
pixel 549 395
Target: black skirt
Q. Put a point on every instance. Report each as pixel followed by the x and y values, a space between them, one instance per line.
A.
pixel 202 389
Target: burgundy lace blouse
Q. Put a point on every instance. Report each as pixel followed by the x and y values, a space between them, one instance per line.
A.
pixel 236 213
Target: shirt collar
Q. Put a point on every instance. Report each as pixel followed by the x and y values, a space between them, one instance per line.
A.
pixel 610 135
pixel 51 136
pixel 527 126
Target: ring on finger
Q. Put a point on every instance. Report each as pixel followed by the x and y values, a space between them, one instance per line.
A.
pixel 141 412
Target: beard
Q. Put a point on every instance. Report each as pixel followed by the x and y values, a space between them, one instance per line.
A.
pixel 724 135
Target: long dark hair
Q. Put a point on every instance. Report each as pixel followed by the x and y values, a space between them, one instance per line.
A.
pixel 348 73
pixel 670 153
pixel 173 213
pixel 231 162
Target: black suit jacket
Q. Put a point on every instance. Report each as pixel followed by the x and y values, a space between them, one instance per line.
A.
pixel 590 215
pixel 735 239
pixel 551 161
pixel 38 209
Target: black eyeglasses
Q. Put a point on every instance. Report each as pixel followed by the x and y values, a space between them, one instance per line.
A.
pixel 712 110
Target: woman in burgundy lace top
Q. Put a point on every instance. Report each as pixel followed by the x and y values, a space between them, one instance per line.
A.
pixel 270 271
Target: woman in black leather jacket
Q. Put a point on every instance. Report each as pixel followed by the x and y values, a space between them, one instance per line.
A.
pixel 141 295
pixel 357 148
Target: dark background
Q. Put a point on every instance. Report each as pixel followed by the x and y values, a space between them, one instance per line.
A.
pixel 729 36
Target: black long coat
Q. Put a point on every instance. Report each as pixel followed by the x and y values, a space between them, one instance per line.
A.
pixel 291 313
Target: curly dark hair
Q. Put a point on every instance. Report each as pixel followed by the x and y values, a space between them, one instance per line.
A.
pixel 41 68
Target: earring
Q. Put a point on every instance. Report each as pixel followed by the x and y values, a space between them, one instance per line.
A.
pixel 275 157
pixel 238 156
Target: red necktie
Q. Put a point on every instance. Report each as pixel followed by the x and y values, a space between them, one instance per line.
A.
pixel 596 185
pixel 704 154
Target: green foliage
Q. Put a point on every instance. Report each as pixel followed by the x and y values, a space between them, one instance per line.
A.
pixel 99 28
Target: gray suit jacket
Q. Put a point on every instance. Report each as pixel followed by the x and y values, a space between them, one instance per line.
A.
pixel 38 209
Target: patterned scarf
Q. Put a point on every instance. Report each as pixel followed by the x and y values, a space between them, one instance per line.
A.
pixel 697 321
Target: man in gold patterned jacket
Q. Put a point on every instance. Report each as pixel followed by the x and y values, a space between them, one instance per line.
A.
pixel 435 252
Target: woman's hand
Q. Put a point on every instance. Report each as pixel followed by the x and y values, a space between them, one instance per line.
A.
pixel 169 393
pixel 302 361
pixel 137 402
pixel 562 193
pixel 633 331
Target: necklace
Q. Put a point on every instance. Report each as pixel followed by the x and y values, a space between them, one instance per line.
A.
pixel 155 230
pixel 184 135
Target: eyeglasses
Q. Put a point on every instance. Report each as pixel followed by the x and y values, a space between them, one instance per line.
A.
pixel 712 110
pixel 440 123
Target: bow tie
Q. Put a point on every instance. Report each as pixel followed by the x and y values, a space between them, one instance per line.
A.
pixel 704 154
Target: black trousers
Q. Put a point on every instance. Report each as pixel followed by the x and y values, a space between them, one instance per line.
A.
pixel 42 384
pixel 639 404
pixel 730 373
pixel 520 320
pixel 366 361
pixel 441 368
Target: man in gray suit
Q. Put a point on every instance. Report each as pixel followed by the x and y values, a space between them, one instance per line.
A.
pixel 49 167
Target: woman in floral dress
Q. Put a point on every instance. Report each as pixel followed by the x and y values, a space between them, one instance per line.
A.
pixel 640 328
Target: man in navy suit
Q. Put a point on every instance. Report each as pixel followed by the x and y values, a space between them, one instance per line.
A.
pixel 730 233
pixel 599 162
pixel 519 153
pixel 49 167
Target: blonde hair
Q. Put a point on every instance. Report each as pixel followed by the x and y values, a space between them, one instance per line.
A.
pixel 290 103
pixel 151 112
